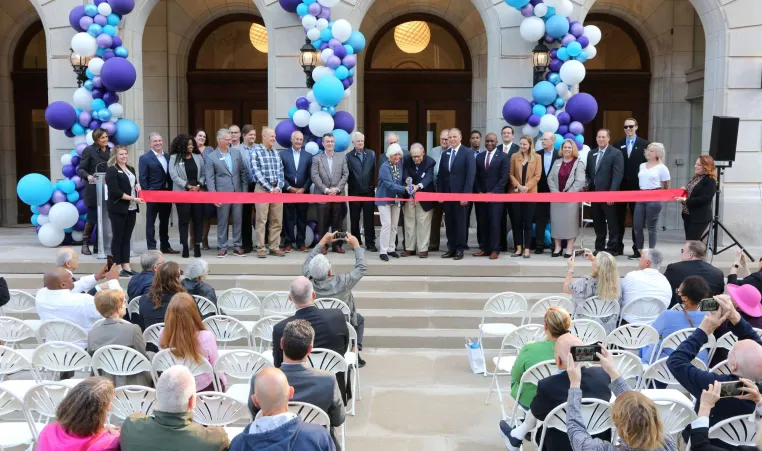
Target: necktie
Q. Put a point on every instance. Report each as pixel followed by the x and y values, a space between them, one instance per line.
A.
pixel 629 148
pixel 489 157
pixel 598 161
pixel 452 158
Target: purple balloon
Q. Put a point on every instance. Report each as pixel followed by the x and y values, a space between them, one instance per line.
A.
pixel 98 2
pixel 45 208
pixel 562 129
pixel 325 14
pixel 535 2
pixel 323 46
pixel 339 51
pixel 283 132
pixel 58 195
pixel 81 207
pixel 60 115
pixel 97 82
pixel 104 41
pixel 334 43
pixel 116 41
pixel 290 5
pixel 97 93
pixel 349 61
pixel 76 179
pixel 582 107
pixel 68 133
pixel 80 148
pixel 577 29
pixel 555 65
pixel 110 128
pixel 533 103
pixel 333 62
pixel 563 118
pixel 584 41
pixel 347 82
pixel 69 170
pixel 550 110
pixel 576 128
pixel 122 7
pixel 118 74
pixel 101 20
pixel 315 9
pixel 344 121
pixel 534 120
pixel 85 118
pixel 549 39
pixel 527 10
pixel 107 55
pixel 95 125
pixel 566 40
pixel 302 103
pixel 80 225
pixel 553 54
pixel 85 22
pixel 75 16
pixel 568 136
pixel 110 97
pixel 516 111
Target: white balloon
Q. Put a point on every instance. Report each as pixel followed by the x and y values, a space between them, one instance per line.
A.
pixel 95 64
pixel 567 96
pixel 328 3
pixel 79 139
pixel 42 219
pixel 302 118
pixel 310 147
pixel 564 8
pixel 530 131
pixel 325 54
pixel 314 107
pixel 553 3
pixel 309 235
pixel 309 21
pixel 540 9
pixel 582 155
pixel 562 89
pixel 593 33
pixel 65 159
pixel 313 34
pixel 347 93
pixel 63 215
pixel 548 123
pixel 572 72
pixel 116 111
pixel 342 29
pixel 322 24
pixel 321 123
pixel 532 29
pixel 310 95
pixel 77 235
pixel 83 99
pixel 320 72
pixel 50 236
pixel 591 51
pixel 84 44
pixel 89 140
pixel 104 9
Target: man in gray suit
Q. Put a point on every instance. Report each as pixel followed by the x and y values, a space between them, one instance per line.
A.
pixel 311 385
pixel 226 172
pixel 330 174
pixel 436 217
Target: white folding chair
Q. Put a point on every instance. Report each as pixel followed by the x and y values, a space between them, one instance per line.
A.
pixel 515 340
pixel 61 330
pixel 629 366
pixel 43 399
pixel 277 303
pixel 659 372
pixel 594 307
pixel 152 332
pixel 325 359
pixel 351 357
pixel 219 409
pixel 14 432
pixel 133 307
pixel 539 308
pixel 262 335
pixel 129 399
pixel 533 375
pixel 758 331
pixel 589 331
pixel 673 340
pixel 20 302
pixel 118 360
pixel 12 362
pixel 721 368
pixel 595 412
pixel 101 321
pixel 14 330
pixel 727 341
pixel 333 303
pixel 227 329
pixel 239 364
pixel 239 301
pixel 736 431
pixel 632 337
pixel 504 305
pixel 205 306
pixel 58 356
pixel 164 359
pixel 643 310
pixel 675 416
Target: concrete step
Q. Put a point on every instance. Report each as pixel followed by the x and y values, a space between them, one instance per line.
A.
pixel 432 319
pixel 424 338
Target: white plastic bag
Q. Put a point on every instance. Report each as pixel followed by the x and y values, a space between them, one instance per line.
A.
pixel 475 356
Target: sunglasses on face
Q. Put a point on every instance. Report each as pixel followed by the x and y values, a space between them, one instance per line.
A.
pixel 627 127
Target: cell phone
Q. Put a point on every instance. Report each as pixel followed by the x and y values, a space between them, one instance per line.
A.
pixel 586 353
pixel 340 236
pixel 709 305
pixel 109 262
pixel 579 252
pixel 730 389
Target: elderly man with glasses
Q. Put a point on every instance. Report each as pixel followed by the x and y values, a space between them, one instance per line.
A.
pixel 418 168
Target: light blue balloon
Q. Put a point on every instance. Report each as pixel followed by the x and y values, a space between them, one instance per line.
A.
pixel 309 2
pixel 563 54
pixel 35 209
pixel 73 153
pixel 539 110
pixel 34 189
pixel 317 43
pixel 104 115
pixel 329 91
pixel 557 143
pixel 341 72
pixel 113 19
pixel 91 10
pixel 89 86
pixel 551 12
pixel 302 10
pixel 291 112
pixel 78 110
pixel 78 130
pixel 342 139
pixel 72 197
pixel 559 103
pixel 94 30
pixel 554 78
pixel 574 48
pixel 518 4
pixel 557 26
pixel 351 72
pixel 34 219
pixel 121 52
pixel 109 30
pixel 349 49
pixel 95 114
pixel 332 111
pixel 83 217
pixel 579 138
pixel 357 41
pixel 70 229
pixel 89 74
pixel 100 51
pixel 544 93
pixel 98 104
pixel 326 35
pixel 582 57
pixel 127 132
pixel 67 186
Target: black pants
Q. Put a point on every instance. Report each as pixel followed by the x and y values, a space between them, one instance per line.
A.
pixel 366 209
pixel 163 211
pixel 246 224
pixel 504 219
pixel 541 218
pixel 522 218
pixel 456 224
pixel 621 216
pixel 295 215
pixel 694 231
pixel 121 233
pixel 489 214
pixel 330 215
pixel 187 213
pixel 604 217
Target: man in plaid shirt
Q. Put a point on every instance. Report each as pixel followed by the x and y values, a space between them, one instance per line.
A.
pixel 267 173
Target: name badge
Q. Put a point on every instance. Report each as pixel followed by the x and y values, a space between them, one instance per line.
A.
pixel 182 163
pixel 622 147
pixel 121 172
pixel 222 159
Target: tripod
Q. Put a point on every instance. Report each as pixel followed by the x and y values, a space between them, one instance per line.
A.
pixel 716 224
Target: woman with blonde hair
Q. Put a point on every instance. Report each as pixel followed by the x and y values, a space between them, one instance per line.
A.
pixel 525 174
pixel 122 205
pixel 603 282
pixel 653 175
pixel 184 333
pixel 566 176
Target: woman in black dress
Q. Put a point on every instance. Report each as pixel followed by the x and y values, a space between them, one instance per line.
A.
pixel 186 168
pixel 123 201
pixel 697 205
pixel 94 159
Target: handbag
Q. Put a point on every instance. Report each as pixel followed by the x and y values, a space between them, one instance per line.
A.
pixel 475 356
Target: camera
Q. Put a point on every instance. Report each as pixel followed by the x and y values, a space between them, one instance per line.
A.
pixel 586 353
pixel 340 235
pixel 709 305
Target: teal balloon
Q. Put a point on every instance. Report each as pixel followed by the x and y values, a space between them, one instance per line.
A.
pixel 91 10
pixel 89 74
pixel 98 104
pixel 357 41
pixel 94 30
pixel 342 139
pixel 574 48
pixel 302 10
pixel 582 57
pixel 557 26
pixel 554 78
pixel 78 130
pixel 579 138
pixel 100 51
pixel 104 115
pixel 72 197
pixel 34 219
pixel 551 12
pixel 326 35
pixel 544 93
pixel 127 132
pixel 113 19
pixel 539 110
pixel 34 209
pixel 351 72
pixel 329 91
pixel 83 217
pixel 563 54
pixel 69 230
pixel 309 2
pixel 557 143
pixel 559 103
pixel 518 4
pixel 349 49
pixel 34 189
pixel 109 30
pixel 292 111
pixel 73 153
pixel 67 186
pixel 121 52
pixel 341 72
pixel 317 43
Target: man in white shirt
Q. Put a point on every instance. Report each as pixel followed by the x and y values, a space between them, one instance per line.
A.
pixel 68 259
pixel 646 283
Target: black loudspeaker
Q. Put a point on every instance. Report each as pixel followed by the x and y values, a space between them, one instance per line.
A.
pixel 722 147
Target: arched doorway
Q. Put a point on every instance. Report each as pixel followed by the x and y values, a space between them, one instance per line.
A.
pixel 227 74
pixel 619 78
pixel 417 81
pixel 30 98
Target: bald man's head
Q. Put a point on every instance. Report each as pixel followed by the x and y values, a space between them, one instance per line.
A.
pixel 563 347
pixel 272 392
pixel 745 360
pixel 58 279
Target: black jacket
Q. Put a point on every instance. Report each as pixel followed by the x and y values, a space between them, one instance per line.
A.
pixel 361 174
pixel 151 316
pixel 677 272
pixel 700 442
pixel 700 202
pixel 554 391
pixel 118 184
pixel 5 295
pixel 152 175
pixel 754 279
pixel 424 175
pixel 542 185
pixel 93 160
pixel 461 178
pixel 494 179
pixel 610 172
pixel 140 284
pixel 632 164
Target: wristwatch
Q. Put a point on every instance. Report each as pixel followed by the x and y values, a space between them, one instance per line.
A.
pixel 735 265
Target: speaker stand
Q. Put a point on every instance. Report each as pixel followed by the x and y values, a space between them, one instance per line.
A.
pixel 711 236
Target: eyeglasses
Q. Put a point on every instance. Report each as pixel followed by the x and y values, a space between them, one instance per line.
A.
pixel 181 272
pixel 627 127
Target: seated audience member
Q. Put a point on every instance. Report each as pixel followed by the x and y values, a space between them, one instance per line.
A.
pixel 745 362
pixel 692 264
pixel 81 418
pixel 142 282
pixel 57 301
pixel 171 426
pixel 691 292
pixel 166 284
pixel 554 391
pixel 277 428
pixel 709 397
pixel 602 282
pixel 5 295
pixel 311 385
pixel 746 299
pixel 68 259
pixel 195 274
pixel 329 325
pixel 648 282
pixel 326 284
pixel 185 334
pixel 753 278
pixel 557 323
pixel 110 304
pixel 634 415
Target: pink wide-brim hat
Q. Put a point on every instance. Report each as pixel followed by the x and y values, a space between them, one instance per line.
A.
pixel 747 299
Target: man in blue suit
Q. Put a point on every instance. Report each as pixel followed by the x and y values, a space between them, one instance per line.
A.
pixel 297 167
pixel 457 170
pixel 153 171
pixel 492 167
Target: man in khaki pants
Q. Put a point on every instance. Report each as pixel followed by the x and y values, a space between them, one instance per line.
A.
pixel 267 173
pixel 419 169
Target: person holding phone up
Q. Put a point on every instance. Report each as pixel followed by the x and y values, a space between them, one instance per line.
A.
pixel 753 278
pixel 603 282
pixel 709 397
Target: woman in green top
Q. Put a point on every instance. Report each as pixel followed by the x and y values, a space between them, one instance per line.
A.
pixel 557 323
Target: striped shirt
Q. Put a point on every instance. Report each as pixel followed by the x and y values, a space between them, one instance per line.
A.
pixel 267 168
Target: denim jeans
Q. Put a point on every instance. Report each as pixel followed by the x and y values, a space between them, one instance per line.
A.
pixel 646 215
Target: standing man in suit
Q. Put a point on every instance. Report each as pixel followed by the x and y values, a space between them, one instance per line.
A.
pixel 604 172
pixel 267 173
pixel 475 140
pixel 692 263
pixel 508 147
pixel 492 167
pixel 153 169
pixel 548 156
pixel 361 163
pixel 330 174
pixel 633 150
pixel 419 169
pixel 437 209
pixel 247 148
pixel 226 172
pixel 457 170
pixel 297 179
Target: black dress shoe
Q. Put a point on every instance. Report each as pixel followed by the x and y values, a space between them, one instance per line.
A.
pixel 393 254
pixel 539 250
pixel 371 249
pixel 384 257
pixel 125 273
pixel 169 250
pixel 555 254
pixel 568 255
pixel 635 256
pixel 458 256
pixel 516 254
pixel 360 362
pixel 448 254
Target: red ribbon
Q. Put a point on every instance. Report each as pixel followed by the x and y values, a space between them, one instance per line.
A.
pixel 203 197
